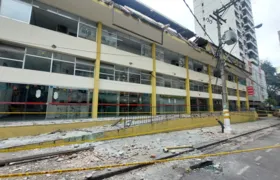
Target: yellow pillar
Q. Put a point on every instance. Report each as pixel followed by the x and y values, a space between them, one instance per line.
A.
pixel 237 94
pixel 188 96
pixel 210 101
pixel 247 100
pixel 227 95
pixel 96 72
pixel 154 82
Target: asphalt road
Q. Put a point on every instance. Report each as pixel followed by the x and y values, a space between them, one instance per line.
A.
pixel 258 165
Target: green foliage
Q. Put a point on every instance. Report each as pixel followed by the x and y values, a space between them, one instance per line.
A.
pixel 271 101
pixel 272 79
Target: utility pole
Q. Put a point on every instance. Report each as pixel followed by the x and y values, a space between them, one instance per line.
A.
pixel 217 16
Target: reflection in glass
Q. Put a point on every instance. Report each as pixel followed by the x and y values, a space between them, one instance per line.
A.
pixel 63 67
pixel 87 32
pixel 9 63
pixel 16 10
pixel 36 63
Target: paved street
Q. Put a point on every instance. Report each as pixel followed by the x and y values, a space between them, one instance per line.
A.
pixel 258 165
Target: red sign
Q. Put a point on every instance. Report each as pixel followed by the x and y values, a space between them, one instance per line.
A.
pixel 250 90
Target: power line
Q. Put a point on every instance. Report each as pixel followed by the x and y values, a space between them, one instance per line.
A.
pixel 204 4
pixel 198 21
pixel 241 69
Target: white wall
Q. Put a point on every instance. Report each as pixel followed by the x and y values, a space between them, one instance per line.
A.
pixel 124 86
pixel 242 87
pixel 231 85
pixel 29 35
pixel 116 56
pixel 170 91
pixel 168 69
pixel 25 76
pixel 199 94
pixel 232 98
pixel 43 38
pixel 196 76
pixel 217 96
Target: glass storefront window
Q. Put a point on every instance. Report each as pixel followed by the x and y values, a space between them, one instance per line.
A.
pixel 145 78
pixel 107 71
pixel 170 104
pixel 16 9
pixel 108 103
pixel 128 43
pixel 109 38
pixel 170 57
pixel 121 76
pixel 197 66
pixel 134 78
pixel 37 63
pixel 170 82
pixel 232 106
pixel 8 63
pixel 146 50
pixel 216 89
pixel 11 56
pixel 198 86
pixel 63 64
pixel 11 52
pixel 242 93
pixel 84 68
pixel 232 92
pixel 39 52
pixel 87 32
pixel 231 77
pixel 242 81
pixel 243 105
pixel 63 67
pixel 217 105
pixel 64 57
pixel 160 80
pixel 198 104
pixel 23 98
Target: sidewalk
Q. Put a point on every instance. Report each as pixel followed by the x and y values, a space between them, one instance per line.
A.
pixel 123 150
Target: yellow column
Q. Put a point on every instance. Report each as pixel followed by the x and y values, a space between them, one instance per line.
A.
pixel 247 100
pixel 154 82
pixel 227 96
pixel 96 72
pixel 210 101
pixel 237 94
pixel 188 96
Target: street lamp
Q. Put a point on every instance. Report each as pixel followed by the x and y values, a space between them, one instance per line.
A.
pixel 255 27
pixel 258 26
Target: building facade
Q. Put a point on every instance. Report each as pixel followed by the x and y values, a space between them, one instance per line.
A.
pixel 258 82
pixel 239 18
pixel 72 60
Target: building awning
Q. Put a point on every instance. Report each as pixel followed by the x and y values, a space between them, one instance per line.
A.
pixel 153 14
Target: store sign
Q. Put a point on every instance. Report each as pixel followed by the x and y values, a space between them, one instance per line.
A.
pixel 250 90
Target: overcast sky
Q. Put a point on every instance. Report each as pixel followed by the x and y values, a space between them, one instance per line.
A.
pixel 265 11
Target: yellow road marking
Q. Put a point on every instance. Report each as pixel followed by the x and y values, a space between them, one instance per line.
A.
pixel 135 163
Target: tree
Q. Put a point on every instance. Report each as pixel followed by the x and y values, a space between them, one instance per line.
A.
pixel 271 101
pixel 272 79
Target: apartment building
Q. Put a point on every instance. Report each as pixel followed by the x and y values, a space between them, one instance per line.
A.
pixel 88 59
pixel 240 19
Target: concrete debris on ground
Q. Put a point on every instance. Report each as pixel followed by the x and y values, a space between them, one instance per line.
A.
pixel 132 149
pixel 55 135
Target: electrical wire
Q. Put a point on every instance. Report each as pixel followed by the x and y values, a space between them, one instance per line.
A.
pixel 198 21
pixel 204 4
pixel 227 58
